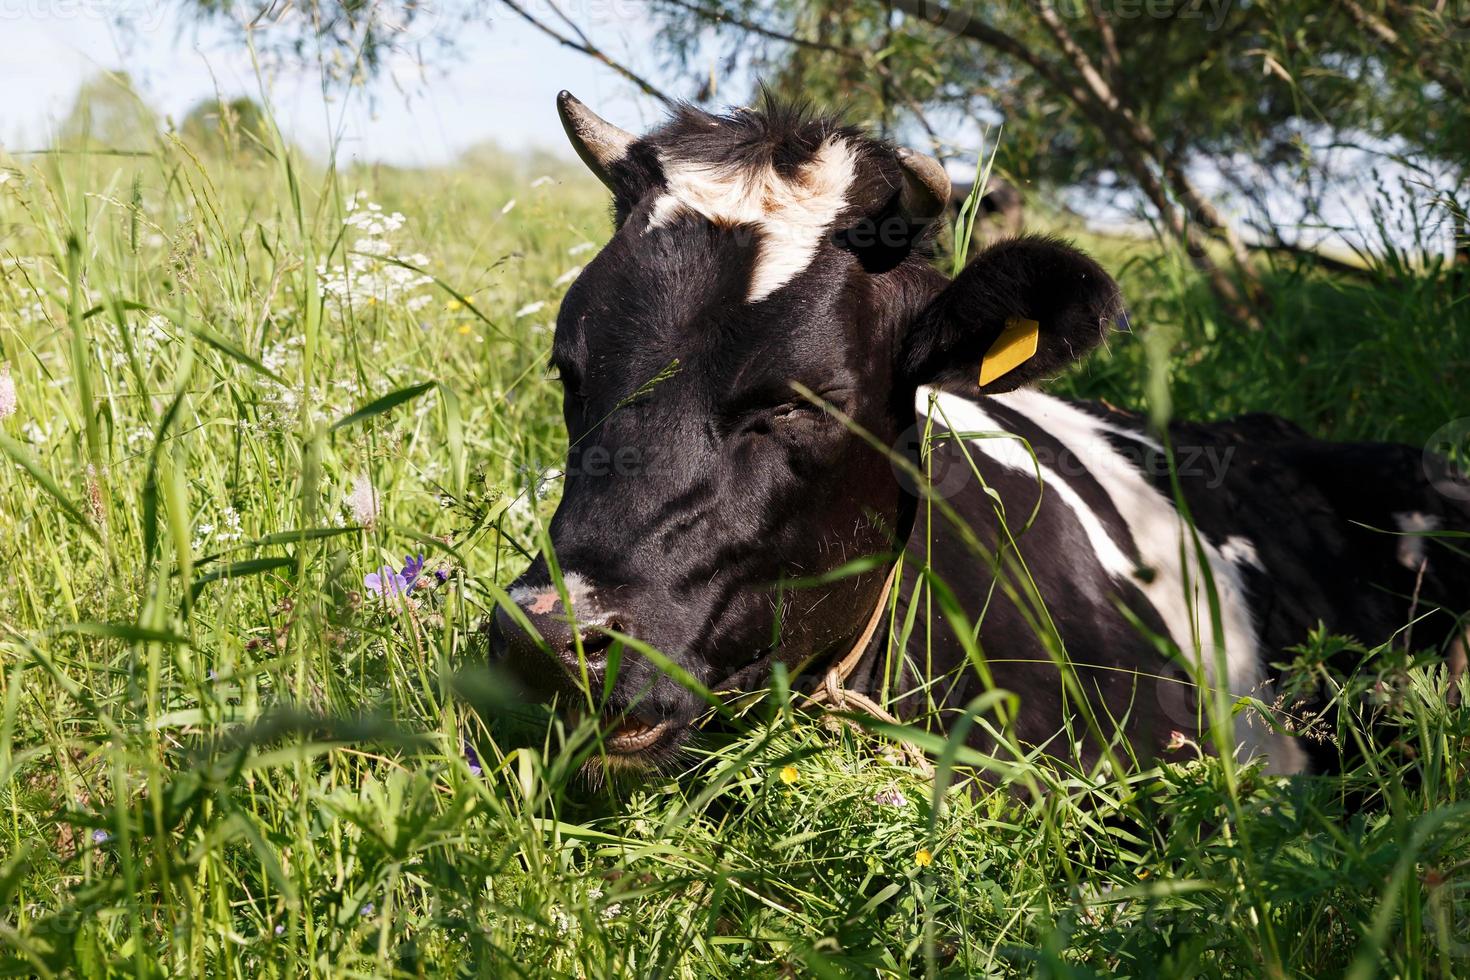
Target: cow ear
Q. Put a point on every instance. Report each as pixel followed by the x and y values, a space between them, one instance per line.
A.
pixel 1021 311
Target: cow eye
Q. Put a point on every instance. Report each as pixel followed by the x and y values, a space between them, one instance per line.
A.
pixel 796 412
pixel 779 418
pixel 570 381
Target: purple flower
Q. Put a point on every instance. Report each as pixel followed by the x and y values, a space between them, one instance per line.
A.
pixel 891 796
pixel 385 582
pixel 100 837
pixel 441 575
pixel 473 758
pixel 413 567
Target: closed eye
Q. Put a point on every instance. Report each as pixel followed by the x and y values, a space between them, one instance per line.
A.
pixel 570 381
pixel 780 418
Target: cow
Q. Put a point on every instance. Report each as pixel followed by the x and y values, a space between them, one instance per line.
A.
pixel 752 371
pixel 1000 213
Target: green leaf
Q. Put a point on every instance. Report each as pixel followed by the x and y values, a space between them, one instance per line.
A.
pixel 230 350
pixel 304 534
pixel 239 569
pixel 387 403
pixel 124 631
pixel 28 462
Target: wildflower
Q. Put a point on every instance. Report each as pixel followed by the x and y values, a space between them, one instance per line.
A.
pixel 368 909
pixel 509 206
pixel 413 567
pixel 280 928
pixel 923 857
pixel 530 308
pixel 789 775
pixel 100 837
pixel 385 582
pixel 363 501
pixel 8 400
pixel 542 181
pixel 1178 740
pixel 231 519
pixel 473 758
pixel 890 797
pixel 567 276
pixel 453 306
pixel 580 247
pixel 465 329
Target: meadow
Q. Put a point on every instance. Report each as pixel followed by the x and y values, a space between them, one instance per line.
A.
pixel 248 388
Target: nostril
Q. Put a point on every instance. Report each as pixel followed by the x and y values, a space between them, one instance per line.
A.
pixel 596 639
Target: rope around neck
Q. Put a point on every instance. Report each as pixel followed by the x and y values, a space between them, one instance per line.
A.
pixel 834 693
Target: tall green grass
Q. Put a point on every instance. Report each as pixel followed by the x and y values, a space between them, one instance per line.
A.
pixel 221 755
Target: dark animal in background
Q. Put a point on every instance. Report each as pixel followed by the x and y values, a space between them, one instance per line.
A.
pixel 761 249
pixel 1001 213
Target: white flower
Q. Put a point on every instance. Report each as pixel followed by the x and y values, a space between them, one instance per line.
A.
pixel 509 206
pixel 363 501
pixel 581 247
pixel 530 308
pixel 567 276
pixel 542 181
pixel 8 399
pixel 231 519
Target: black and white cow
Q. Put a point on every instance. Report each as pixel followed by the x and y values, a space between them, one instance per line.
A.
pixel 764 248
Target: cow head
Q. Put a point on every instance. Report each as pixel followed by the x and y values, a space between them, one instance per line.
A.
pixel 752 253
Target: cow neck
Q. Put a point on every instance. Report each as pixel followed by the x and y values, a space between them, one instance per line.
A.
pixel 841 669
pixel 835 693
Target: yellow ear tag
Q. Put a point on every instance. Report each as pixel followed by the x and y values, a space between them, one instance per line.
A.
pixel 1015 346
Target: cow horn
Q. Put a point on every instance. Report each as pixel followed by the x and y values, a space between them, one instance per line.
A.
pixel 598 142
pixel 926 184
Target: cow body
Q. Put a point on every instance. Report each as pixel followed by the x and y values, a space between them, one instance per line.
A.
pixel 767 352
pixel 1297 533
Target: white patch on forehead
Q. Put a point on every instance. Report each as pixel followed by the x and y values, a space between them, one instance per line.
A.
pixel 1411 546
pixel 1177 590
pixel 791 216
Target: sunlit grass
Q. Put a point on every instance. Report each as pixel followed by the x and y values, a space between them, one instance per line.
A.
pixel 241 388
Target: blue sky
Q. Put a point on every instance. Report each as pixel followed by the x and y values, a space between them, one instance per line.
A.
pixel 498 85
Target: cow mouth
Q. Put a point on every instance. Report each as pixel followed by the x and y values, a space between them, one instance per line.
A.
pixel 624 734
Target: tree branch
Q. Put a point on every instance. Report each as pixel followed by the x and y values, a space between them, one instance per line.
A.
pixel 583 44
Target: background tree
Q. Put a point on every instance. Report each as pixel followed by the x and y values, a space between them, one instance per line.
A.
pixel 1168 107
pixel 231 127
pixel 109 114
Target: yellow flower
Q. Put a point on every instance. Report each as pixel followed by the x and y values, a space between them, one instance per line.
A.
pixel 923 858
pixel 453 305
pixel 465 328
pixel 789 775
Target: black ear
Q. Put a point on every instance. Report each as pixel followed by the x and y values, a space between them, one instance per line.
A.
pixel 1016 293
